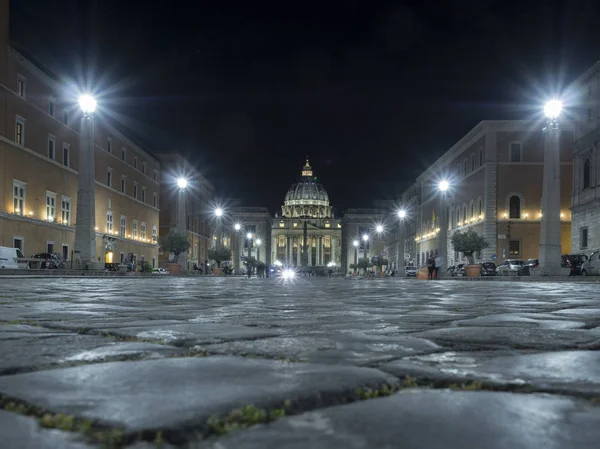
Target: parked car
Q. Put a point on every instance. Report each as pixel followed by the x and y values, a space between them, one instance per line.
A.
pixel 591 267
pixel 488 269
pixel 532 263
pixel 9 256
pixel 160 271
pixel 411 271
pixel 510 267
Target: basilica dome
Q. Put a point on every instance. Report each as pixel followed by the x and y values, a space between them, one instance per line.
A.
pixel 307 198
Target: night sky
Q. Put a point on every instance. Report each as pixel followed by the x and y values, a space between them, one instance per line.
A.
pixel 371 91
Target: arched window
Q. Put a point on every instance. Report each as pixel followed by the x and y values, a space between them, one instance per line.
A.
pixel 587 171
pixel 472 210
pixel 514 207
pixel 480 206
pixel 281 241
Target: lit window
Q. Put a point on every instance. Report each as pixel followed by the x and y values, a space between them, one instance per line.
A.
pixel 514 248
pixel 295 225
pixel 327 225
pixel 281 241
pixel 50 206
pixel 123 227
pixel 154 234
pixel 19 190
pixel 134 229
pixel 109 222
pixel 281 224
pixel 514 207
pixel 65 206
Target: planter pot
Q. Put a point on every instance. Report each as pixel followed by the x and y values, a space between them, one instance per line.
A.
pixel 472 271
pixel 216 271
pixel 422 274
pixel 174 268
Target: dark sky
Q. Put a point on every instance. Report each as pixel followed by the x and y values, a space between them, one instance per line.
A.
pixel 370 91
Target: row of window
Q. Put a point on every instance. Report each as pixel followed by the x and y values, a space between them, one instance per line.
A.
pixel 20 204
pixel 135 159
pixel 135 191
pixel 469 164
pixel 136 233
pixel 22 90
pixel 282 241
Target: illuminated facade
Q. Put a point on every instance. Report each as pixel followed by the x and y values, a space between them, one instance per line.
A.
pixel 306 204
pixel 39 162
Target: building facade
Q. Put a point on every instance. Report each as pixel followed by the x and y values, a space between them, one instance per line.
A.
pixel 495 174
pixel 39 162
pixel 197 214
pixel 306 205
pixel 360 226
pixel 585 207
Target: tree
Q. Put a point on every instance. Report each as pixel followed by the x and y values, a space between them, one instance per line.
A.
pixel 364 263
pixel 379 262
pixel 176 243
pixel 251 261
pixel 468 242
pixel 222 254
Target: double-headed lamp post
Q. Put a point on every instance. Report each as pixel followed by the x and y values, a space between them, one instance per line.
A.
pixel 85 233
pixel 258 243
pixel 443 187
pixel 355 243
pixel 365 239
pixel 219 231
pixel 182 185
pixel 550 247
pixel 402 237
pixel 249 237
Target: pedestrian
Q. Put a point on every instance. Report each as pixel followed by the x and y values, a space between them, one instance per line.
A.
pixel 430 268
pixel 438 265
pixel 249 271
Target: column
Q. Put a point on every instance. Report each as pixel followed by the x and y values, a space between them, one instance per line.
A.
pixel 333 250
pixel 309 251
pixel 317 252
pixel 85 234
pixel 550 245
pixel 490 200
pixel 299 253
pixel 289 250
pixel 273 249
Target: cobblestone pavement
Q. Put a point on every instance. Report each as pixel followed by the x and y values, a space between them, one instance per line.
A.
pixel 315 363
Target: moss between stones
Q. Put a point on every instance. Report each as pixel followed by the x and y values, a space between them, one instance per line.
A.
pixel 243 417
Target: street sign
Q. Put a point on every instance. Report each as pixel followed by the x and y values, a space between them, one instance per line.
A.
pixel 494 257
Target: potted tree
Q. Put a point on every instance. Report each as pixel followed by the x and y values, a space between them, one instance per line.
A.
pixel 469 242
pixel 364 264
pixel 176 243
pixel 221 254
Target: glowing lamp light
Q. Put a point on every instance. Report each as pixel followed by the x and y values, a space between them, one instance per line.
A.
pixel 87 103
pixel 258 242
pixel 182 183
pixel 379 229
pixel 562 215
pixel 96 228
pixel 365 238
pixel 355 243
pixel 444 185
pixel 31 212
pixel 249 236
pixel 218 212
pixel 402 213
pixel 237 226
pixel 552 109
pixel 288 274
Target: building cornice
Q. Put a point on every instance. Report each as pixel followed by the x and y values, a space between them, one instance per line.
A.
pixel 589 73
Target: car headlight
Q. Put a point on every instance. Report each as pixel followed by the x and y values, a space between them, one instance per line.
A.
pixel 288 274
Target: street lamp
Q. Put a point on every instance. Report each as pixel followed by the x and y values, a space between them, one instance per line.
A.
pixel 218 214
pixel 237 226
pixel 365 238
pixel 443 187
pixel 379 230
pixel 85 235
pixel 249 237
pixel 401 264
pixel 182 184
pixel 550 248
pixel 258 242
pixel 355 243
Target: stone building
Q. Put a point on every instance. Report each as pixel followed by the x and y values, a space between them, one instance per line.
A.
pixel 253 238
pixel 306 205
pixel 585 207
pixel 495 175
pixel 39 162
pixel 360 226
pixel 197 213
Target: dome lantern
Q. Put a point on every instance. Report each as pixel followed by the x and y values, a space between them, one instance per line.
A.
pixel 307 198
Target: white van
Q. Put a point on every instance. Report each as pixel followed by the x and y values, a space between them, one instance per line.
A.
pixel 9 256
pixel 592 265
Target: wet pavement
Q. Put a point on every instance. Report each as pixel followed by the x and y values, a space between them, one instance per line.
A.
pixel 230 362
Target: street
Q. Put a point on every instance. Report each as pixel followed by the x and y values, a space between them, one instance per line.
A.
pixel 315 362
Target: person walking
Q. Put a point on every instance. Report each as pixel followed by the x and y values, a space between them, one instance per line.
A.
pixel 430 268
pixel 437 266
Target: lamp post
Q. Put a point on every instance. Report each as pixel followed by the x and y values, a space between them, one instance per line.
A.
pixel 550 247
pixel 182 184
pixel 365 243
pixel 85 233
pixel 258 243
pixel 355 243
pixel 218 214
pixel 249 237
pixel 402 238
pixel 237 227
pixel 379 231
pixel 443 187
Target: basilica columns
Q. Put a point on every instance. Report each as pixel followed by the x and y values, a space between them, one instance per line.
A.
pixel 290 250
